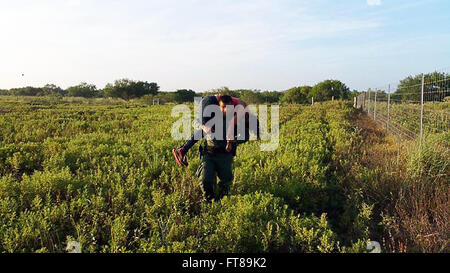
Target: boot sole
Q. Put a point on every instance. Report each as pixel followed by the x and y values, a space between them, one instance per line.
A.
pixel 175 155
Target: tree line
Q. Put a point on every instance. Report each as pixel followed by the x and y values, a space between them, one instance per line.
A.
pixel 129 89
pixel 124 88
pixel 436 88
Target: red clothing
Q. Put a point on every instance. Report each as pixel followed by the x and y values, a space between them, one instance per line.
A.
pixel 234 101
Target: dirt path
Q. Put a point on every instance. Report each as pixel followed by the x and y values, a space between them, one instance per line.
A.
pixel 380 150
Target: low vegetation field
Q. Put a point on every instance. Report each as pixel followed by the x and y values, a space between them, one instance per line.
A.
pixel 100 172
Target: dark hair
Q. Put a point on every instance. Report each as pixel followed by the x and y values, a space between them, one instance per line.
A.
pixel 226 99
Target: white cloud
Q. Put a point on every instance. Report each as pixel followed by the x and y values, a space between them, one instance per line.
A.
pixel 374 2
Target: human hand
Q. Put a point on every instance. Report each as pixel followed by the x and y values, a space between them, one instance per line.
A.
pixel 229 145
pixel 206 129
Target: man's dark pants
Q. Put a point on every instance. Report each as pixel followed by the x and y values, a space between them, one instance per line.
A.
pixel 220 163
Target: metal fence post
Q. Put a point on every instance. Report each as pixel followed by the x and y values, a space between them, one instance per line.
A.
pixel 368 103
pixel 388 109
pixel 375 107
pixel 364 101
pixel 421 109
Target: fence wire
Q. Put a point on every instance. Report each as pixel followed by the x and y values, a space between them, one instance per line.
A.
pixel 413 109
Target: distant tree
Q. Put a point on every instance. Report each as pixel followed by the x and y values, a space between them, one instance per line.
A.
pixel 327 89
pixel 83 90
pixel 382 95
pixel 250 96
pixel 51 89
pixel 184 95
pixel 410 88
pixel 4 92
pixel 354 93
pixel 306 91
pixel 296 95
pixel 128 89
pixel 26 91
pixel 271 96
pixel 166 97
pixel 222 90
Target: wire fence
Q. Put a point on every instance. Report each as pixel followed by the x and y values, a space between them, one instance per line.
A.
pixel 418 106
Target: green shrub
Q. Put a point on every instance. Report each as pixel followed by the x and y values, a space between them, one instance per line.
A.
pixel 101 173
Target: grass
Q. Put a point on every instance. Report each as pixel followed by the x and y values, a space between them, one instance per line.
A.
pixel 405 117
pixel 408 183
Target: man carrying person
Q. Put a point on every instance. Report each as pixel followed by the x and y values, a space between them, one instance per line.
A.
pixel 217 155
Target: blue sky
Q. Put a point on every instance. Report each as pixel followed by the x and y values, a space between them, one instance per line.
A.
pixel 201 45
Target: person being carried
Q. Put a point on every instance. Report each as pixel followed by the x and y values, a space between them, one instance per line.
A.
pixel 217 162
pixel 222 101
